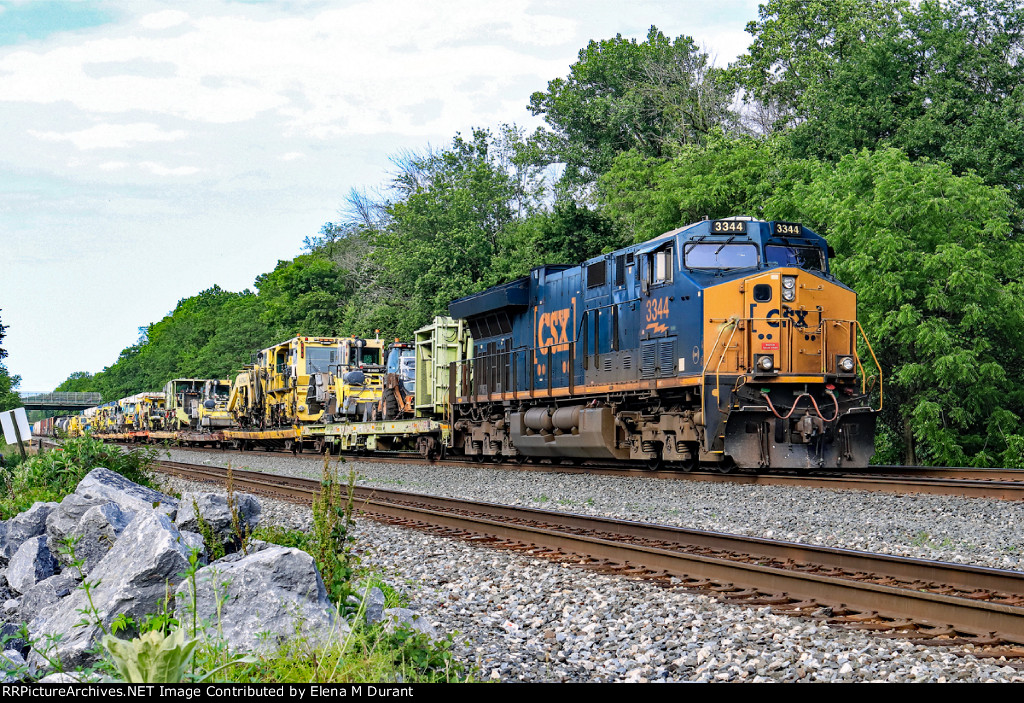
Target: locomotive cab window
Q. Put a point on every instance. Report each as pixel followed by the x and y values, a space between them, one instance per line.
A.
pixel 713 255
pixel 662 266
pixel 808 258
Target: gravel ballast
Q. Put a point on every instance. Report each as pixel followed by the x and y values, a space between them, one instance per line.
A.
pixel 524 619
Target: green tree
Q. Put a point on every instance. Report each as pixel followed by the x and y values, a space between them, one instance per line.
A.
pixel 728 176
pixel 450 228
pixel 650 97
pixel 939 80
pixel 8 395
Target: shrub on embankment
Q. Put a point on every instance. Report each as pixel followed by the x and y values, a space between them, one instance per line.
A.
pixel 51 475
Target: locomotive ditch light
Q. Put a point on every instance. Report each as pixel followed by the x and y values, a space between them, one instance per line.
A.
pixel 764 364
pixel 845 364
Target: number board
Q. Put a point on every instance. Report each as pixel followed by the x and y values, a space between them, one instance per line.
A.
pixel 787 228
pixel 728 227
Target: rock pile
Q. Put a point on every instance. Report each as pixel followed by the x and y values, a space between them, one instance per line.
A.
pixel 115 549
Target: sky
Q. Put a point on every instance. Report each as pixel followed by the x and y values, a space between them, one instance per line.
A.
pixel 152 149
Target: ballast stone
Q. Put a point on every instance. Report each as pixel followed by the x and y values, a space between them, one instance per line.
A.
pixel 130 580
pixel 268 597
pixel 31 564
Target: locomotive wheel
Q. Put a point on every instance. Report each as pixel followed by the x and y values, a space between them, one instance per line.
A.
pixel 654 464
pixel 694 461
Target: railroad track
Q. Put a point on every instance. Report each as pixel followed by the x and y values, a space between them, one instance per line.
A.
pixel 934 602
pixel 998 484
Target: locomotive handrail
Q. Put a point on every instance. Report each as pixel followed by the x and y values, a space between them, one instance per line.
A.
pixel 863 374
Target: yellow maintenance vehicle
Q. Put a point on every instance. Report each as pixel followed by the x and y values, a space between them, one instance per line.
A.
pixel 198 404
pixel 299 381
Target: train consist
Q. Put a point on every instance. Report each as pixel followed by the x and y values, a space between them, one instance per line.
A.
pixel 725 343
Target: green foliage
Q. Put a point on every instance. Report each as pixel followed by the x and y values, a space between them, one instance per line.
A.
pixel 152 657
pixel 210 539
pixel 52 475
pixel 451 229
pixel 331 539
pixel 741 176
pixel 8 396
pixel 621 95
pixel 938 79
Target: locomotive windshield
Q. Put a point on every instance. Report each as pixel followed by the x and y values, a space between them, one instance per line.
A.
pixel 809 258
pixel 720 255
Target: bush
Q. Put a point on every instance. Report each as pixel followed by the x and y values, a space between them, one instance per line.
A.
pixel 52 475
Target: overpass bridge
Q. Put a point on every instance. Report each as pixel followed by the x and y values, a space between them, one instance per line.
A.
pixel 59 401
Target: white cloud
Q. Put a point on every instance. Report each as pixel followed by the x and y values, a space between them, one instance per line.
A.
pixel 356 70
pixel 161 170
pixel 292 156
pixel 163 20
pixel 111 136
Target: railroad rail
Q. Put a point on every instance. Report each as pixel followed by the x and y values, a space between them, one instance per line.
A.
pixel 996 484
pixel 934 602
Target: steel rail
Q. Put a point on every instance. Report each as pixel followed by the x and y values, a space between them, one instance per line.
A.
pixel 978 601
pixel 993 484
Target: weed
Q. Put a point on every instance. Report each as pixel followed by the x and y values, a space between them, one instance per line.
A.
pixel 922 539
pixel 211 539
pixel 331 539
pixel 242 532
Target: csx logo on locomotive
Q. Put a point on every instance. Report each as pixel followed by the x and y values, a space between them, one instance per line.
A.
pixel 553 329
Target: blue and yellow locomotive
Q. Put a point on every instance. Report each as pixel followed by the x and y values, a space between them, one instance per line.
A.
pixel 725 342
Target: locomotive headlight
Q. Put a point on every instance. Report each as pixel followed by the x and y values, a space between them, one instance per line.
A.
pixel 845 364
pixel 764 363
pixel 789 288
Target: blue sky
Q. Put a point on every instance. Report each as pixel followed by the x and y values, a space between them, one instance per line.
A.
pixel 153 149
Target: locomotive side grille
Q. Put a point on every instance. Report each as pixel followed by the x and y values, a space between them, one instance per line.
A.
pixel 666 357
pixel 627 362
pixel 648 358
pixel 607 363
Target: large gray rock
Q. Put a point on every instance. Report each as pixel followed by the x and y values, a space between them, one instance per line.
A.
pixel 216 512
pixel 95 535
pixel 105 486
pixel 25 526
pixel 268 597
pixel 66 517
pixel 32 563
pixel 131 579
pixel 39 600
pixel 374 601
